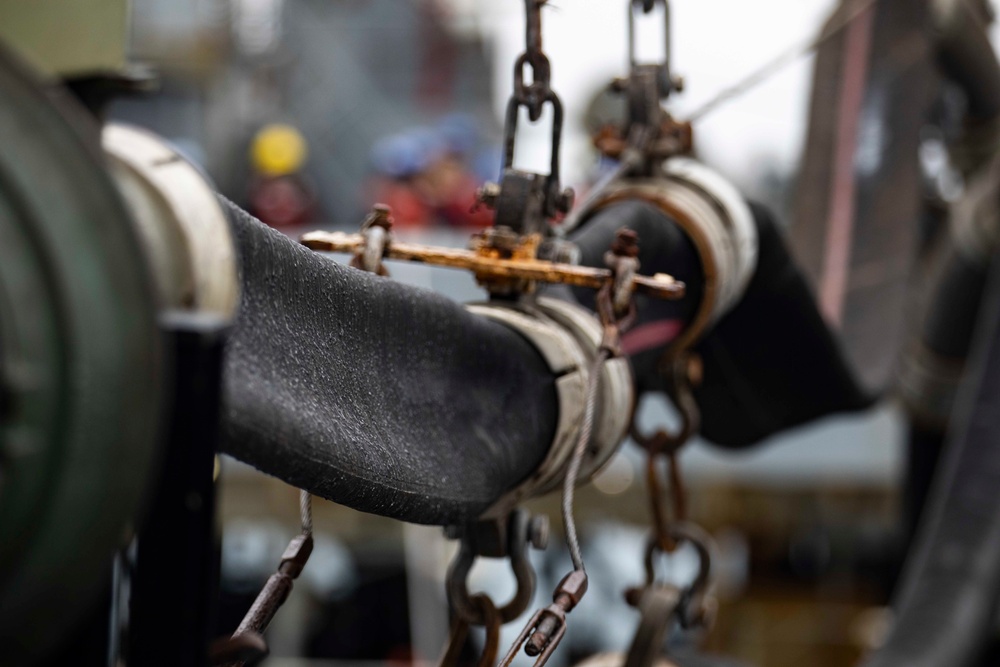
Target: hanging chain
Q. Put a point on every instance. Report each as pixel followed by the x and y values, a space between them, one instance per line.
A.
pixel 460 631
pixel 525 202
pixel 684 370
pixel 671 527
pixel 534 95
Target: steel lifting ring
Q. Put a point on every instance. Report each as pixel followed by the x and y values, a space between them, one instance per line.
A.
pixel 519 526
pixel 690 609
pixel 510 135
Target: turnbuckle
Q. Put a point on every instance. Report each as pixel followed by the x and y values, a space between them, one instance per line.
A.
pixel 547 627
pixel 247 642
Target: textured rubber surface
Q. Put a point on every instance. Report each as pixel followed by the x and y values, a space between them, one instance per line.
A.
pixel 384 397
pixel 770 364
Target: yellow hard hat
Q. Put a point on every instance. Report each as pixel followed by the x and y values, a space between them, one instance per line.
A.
pixel 278 150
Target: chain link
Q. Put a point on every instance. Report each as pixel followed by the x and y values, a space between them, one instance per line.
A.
pixel 460 632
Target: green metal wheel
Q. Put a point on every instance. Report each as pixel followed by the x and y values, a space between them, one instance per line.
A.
pixel 81 369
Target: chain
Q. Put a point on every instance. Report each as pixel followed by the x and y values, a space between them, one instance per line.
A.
pixel 533 95
pixel 460 631
pixel 509 198
pixel 664 445
pixel 671 527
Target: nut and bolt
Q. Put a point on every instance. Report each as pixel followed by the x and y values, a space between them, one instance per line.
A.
pixel 538 531
pixel 379 216
pixel 626 243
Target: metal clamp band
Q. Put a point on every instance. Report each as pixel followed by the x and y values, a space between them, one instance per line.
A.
pixel 568 338
pixel 716 218
pixel 179 219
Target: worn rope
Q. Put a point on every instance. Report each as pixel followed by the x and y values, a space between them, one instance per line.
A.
pixel 573 471
pixel 306 511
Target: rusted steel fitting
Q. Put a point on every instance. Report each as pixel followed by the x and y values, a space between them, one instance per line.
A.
pixel 247 642
pixel 623 261
pixel 507 537
pixel 376 230
pixel 541 636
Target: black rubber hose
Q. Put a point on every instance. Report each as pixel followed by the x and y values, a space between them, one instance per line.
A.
pixel 396 401
pixel 944 610
pixel 381 396
pixel 770 364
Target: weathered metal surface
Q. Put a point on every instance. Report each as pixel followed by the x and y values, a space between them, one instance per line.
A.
pixel 492 268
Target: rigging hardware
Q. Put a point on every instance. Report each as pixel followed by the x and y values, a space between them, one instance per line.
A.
pixel 247 644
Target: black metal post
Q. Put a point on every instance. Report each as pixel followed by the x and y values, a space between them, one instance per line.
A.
pixel 173 590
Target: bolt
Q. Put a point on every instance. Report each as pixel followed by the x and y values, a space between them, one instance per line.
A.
pixel 618 85
pixel 379 216
pixel 678 83
pixel 626 243
pixel 538 531
pixel 453 532
pixel 488 194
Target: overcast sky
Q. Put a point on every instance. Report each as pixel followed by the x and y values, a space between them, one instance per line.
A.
pixel 715 43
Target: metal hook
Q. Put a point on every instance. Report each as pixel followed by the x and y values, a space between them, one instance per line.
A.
pixel 508 537
pixel 691 608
